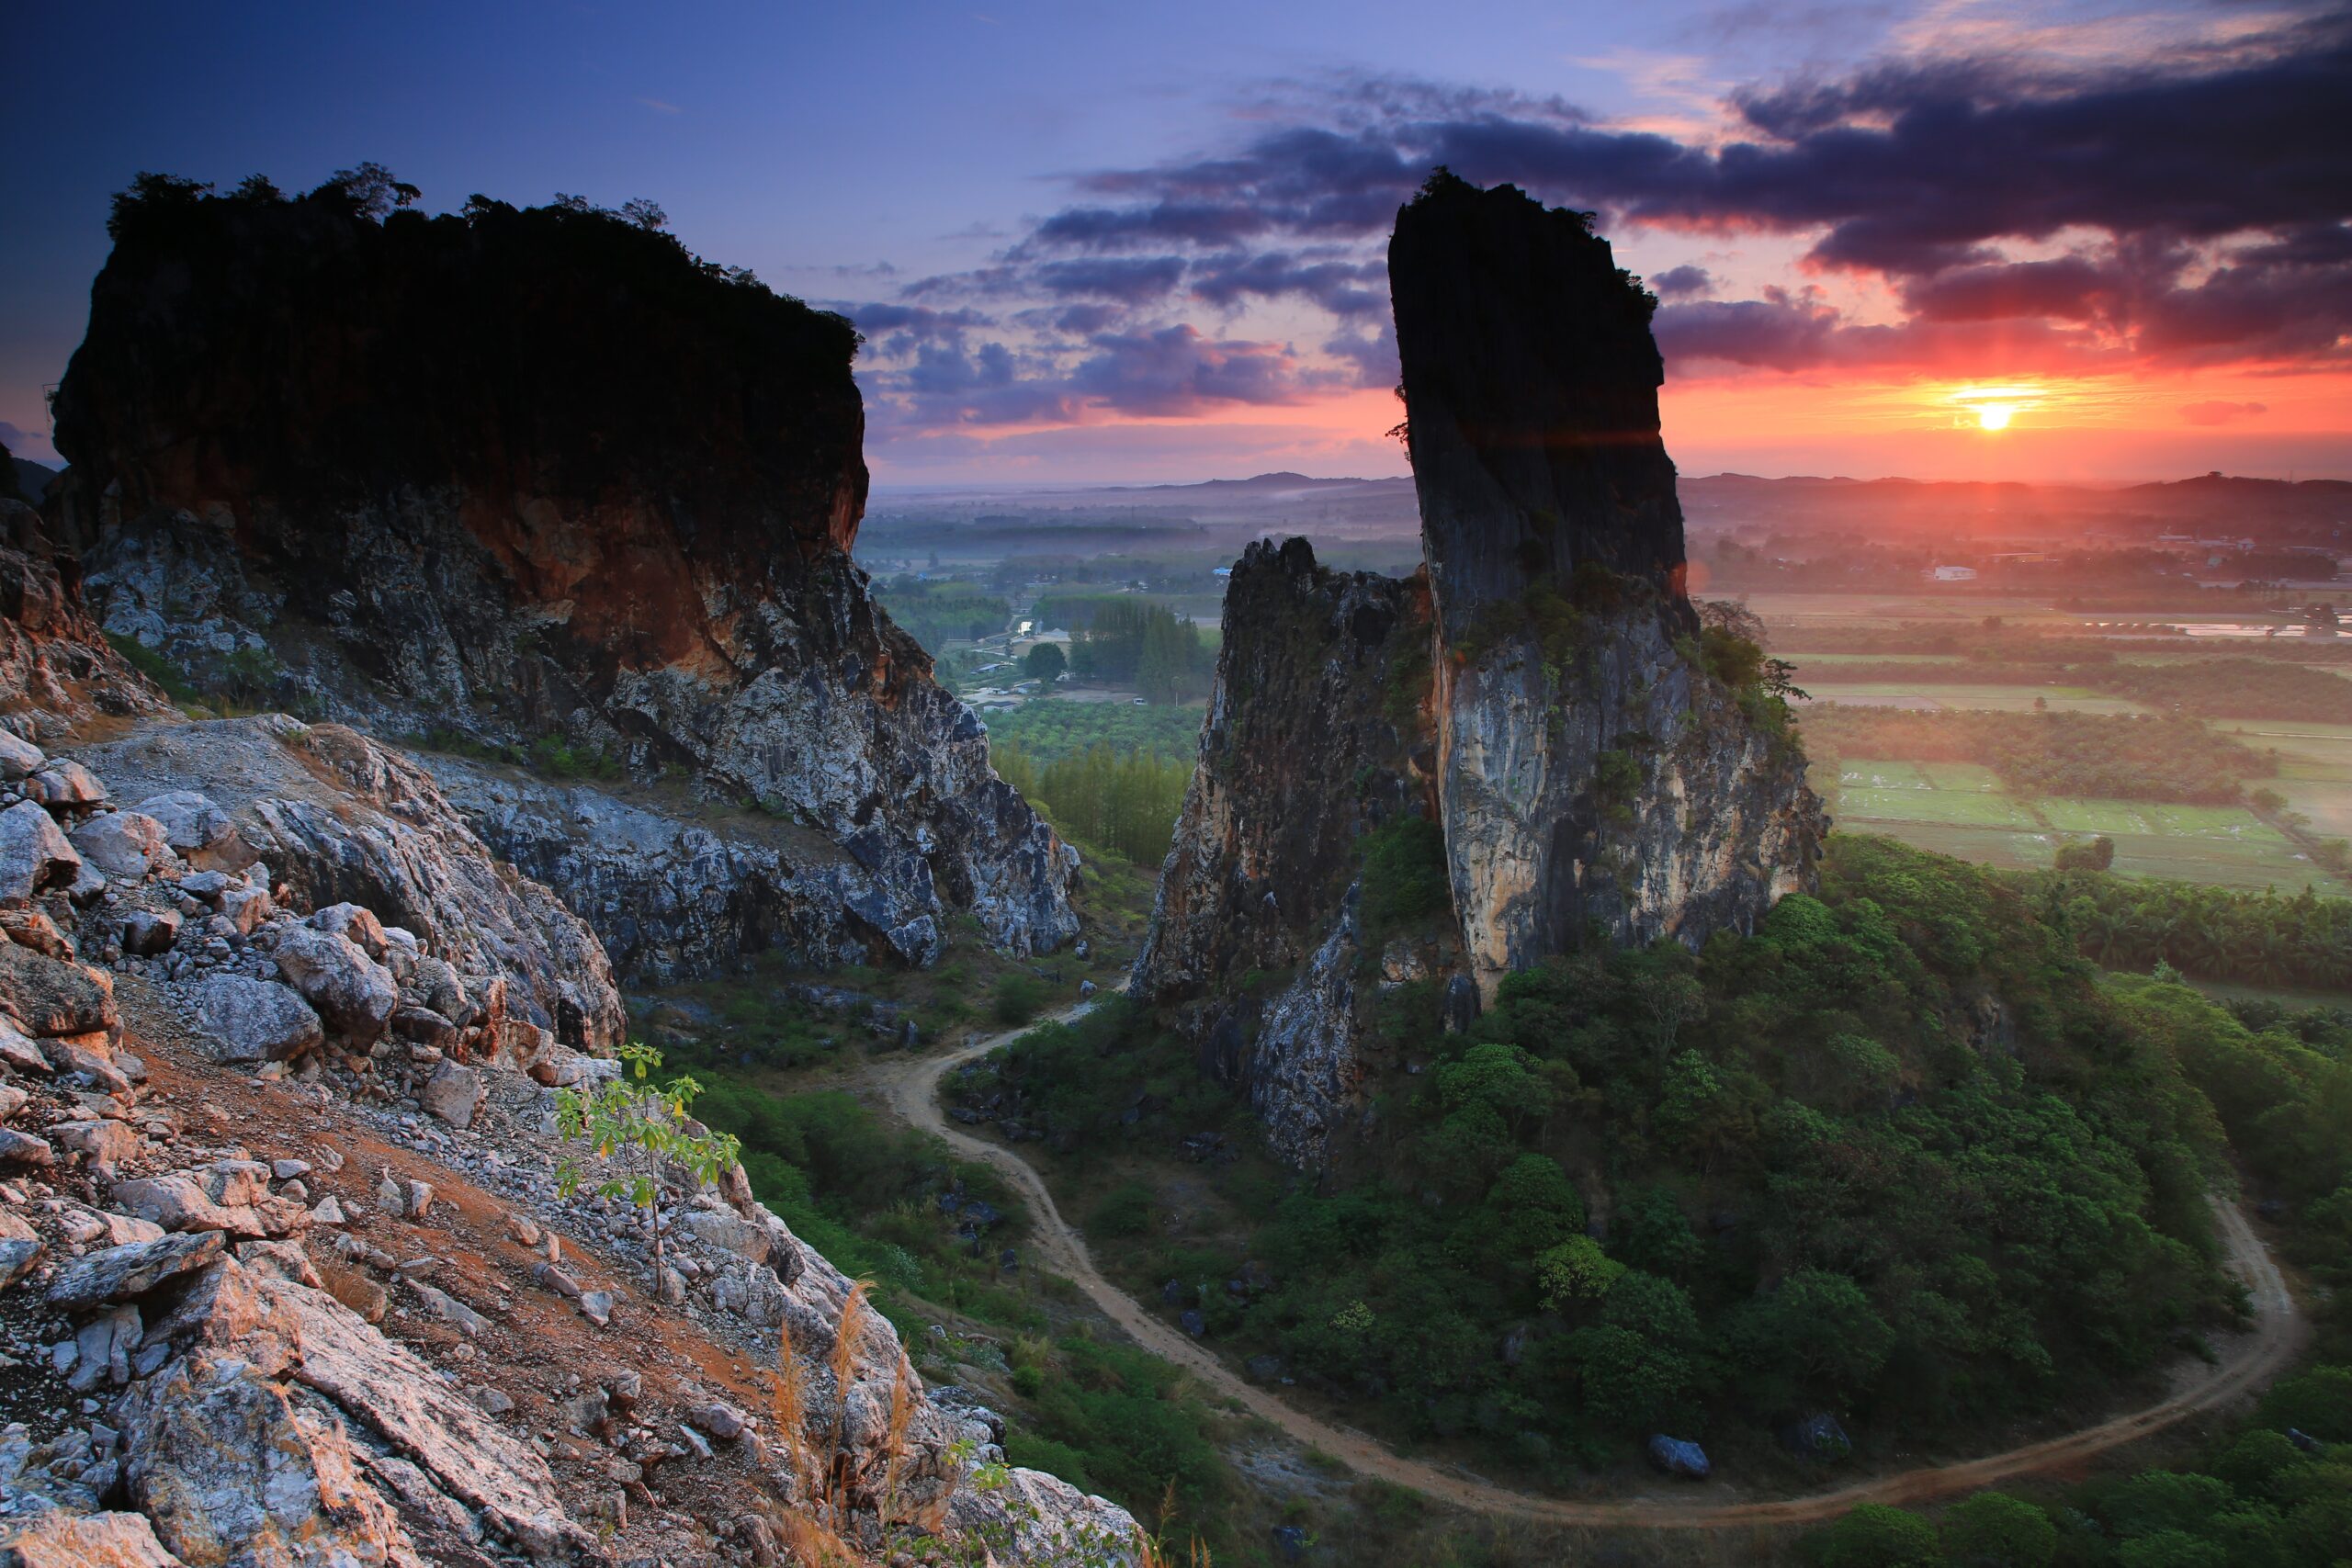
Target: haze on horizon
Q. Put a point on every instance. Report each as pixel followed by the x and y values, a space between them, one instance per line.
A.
pixel 1945 239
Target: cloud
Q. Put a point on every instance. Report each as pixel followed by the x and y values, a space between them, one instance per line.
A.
pixel 2219 412
pixel 658 107
pixel 1678 281
pixel 2083 203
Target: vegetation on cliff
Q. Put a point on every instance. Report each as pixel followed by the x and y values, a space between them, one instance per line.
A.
pixel 1900 1156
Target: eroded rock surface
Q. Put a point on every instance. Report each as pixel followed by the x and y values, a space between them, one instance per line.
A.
pixel 1543 693
pixel 472 557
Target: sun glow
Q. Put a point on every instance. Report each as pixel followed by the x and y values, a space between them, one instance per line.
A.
pixel 1992 408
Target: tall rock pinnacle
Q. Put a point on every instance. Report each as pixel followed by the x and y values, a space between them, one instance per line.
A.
pixel 1530 385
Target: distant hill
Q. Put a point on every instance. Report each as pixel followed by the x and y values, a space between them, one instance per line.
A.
pixel 33 478
pixel 1892 507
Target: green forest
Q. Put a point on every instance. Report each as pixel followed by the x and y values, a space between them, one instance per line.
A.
pixel 1901 1156
pixel 936 614
pixel 2213 933
pixel 2066 754
pixel 1121 640
pixel 1125 801
pixel 1050 728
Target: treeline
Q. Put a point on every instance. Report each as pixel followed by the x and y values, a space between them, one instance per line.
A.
pixel 1126 802
pixel 1121 639
pixel 1703 1194
pixel 2213 933
pixel 1050 728
pixel 2277 1492
pixel 2099 756
pixel 2236 688
pixel 936 614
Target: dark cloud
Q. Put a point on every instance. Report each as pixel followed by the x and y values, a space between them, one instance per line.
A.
pixel 1676 281
pixel 2191 207
pixel 1346 288
pixel 1176 370
pixel 1133 279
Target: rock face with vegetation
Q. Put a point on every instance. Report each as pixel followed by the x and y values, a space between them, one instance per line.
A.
pixel 522 481
pixel 1538 741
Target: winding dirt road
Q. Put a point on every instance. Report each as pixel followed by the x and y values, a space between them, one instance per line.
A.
pixel 2248 1361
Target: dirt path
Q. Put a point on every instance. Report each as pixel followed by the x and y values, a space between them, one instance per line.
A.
pixel 2247 1362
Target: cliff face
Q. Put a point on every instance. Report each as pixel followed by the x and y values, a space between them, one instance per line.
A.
pixel 1318 732
pixel 1596 760
pixel 532 478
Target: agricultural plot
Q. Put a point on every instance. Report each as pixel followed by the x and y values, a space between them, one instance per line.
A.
pixel 2315 769
pixel 1931 695
pixel 1960 811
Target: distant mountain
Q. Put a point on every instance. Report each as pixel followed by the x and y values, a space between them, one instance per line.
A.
pixel 1893 507
pixel 33 478
pixel 1266 483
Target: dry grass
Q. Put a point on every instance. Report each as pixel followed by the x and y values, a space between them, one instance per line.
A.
pixel 903 1409
pixel 852 1324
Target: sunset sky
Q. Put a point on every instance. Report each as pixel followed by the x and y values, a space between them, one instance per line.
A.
pixel 1088 243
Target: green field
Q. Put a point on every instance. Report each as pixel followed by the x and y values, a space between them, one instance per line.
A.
pixel 1959 809
pixel 1929 695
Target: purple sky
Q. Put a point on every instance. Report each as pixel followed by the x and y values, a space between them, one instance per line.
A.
pixel 1093 242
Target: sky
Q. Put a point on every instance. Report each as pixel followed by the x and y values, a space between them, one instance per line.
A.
pixel 1945 239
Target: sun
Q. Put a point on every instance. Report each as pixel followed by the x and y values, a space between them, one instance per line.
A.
pixel 1995 416
pixel 1994 407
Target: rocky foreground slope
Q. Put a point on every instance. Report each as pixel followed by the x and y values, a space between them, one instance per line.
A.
pixel 1542 692
pixel 286 1275
pixel 538 482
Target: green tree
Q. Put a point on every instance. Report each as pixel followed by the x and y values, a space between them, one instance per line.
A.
pixel 1994 1529
pixel 1044 661
pixel 1876 1536
pixel 641 1124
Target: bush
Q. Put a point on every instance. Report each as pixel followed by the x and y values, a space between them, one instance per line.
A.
pixel 1875 1536
pixel 2090 855
pixel 1124 1211
pixel 1994 1529
pixel 1405 875
pixel 1017 999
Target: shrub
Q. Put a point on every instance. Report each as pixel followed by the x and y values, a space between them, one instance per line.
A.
pixel 1875 1536
pixel 1017 999
pixel 1404 876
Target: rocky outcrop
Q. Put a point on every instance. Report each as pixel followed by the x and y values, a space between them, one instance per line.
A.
pixel 532 479
pixel 338 819
pixel 1594 757
pixel 56 669
pixel 1530 387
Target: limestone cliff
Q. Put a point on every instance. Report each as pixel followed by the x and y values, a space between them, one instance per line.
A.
pixel 532 477
pixel 1598 761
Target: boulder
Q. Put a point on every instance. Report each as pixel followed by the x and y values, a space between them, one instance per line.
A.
pixel 33 928
pixel 18 756
pixel 88 1057
pixel 1679 1458
pixel 119 1272
pixel 453 1093
pixel 65 785
pixel 352 993
pixel 128 844
pixel 232 1469
pixel 23 1148
pixel 34 856
pixel 197 827
pixel 247 908
pixel 54 997
pixel 357 925
pixel 718 1419
pixel 254 1020
pixel 20 1248
pixel 752 1291
pixel 1817 1436
pixel 59 1539
pixel 148 932
pixel 102 1142
pixel 729 1233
